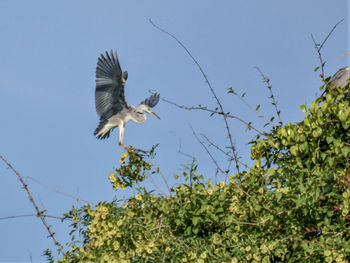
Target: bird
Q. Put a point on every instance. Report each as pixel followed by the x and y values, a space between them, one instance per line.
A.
pixel 110 103
pixel 339 79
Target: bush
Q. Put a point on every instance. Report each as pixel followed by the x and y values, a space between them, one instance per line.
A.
pixel 292 205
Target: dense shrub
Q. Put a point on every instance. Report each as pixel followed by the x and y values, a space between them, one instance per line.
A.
pixel 292 205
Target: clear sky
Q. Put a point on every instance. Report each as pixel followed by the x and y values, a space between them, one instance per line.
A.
pixel 48 54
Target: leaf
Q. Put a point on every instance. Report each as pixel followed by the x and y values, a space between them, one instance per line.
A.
pixel 343 114
pixel 345 151
pixel 257 107
pixel 188 231
pixel 231 90
pixel 249 126
pixel 294 150
pixel 316 69
pixel 195 220
pixel 305 211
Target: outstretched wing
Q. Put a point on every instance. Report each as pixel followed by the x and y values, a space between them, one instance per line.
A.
pixel 110 82
pixel 151 101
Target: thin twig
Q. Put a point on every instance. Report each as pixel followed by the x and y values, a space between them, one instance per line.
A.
pixel 207 150
pixel 30 257
pixel 221 150
pixel 57 191
pixel 243 223
pixel 156 186
pixel 230 116
pixel 274 102
pixel 319 56
pixel 165 181
pixel 218 148
pixel 235 157
pixel 160 227
pixel 330 33
pixel 183 153
pixel 253 109
pixel 29 215
pixel 241 97
pixel 319 47
pixel 31 199
pixel 214 145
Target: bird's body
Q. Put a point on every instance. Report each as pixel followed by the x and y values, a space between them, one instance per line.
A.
pixel 110 102
pixel 340 78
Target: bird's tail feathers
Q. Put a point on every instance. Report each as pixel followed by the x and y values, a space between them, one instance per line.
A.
pixel 102 131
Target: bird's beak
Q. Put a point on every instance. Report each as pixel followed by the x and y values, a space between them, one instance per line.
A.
pixel 155 115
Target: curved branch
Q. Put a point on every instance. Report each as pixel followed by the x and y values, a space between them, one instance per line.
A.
pixel 31 199
pixel 29 215
pixel 227 115
pixel 235 157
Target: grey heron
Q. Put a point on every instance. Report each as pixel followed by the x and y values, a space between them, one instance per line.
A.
pixel 110 102
pixel 340 78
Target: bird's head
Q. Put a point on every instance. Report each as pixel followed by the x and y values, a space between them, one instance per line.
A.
pixel 149 103
pixel 143 107
pixel 148 110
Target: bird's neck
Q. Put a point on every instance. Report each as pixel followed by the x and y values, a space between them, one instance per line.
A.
pixel 139 116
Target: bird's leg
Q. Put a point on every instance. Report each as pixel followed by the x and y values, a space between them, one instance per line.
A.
pixel 121 136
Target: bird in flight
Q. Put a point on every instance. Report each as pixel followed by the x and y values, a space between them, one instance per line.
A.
pixel 110 102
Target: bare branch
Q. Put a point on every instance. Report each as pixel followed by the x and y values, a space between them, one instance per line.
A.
pixel 29 215
pixel 58 191
pixel 274 102
pixel 330 33
pixel 250 106
pixel 235 157
pixel 207 150
pixel 319 56
pixel 156 186
pixel 165 181
pixel 319 47
pixel 218 148
pixel 183 153
pixel 221 150
pixel 215 162
pixel 227 115
pixel 214 145
pixel 31 199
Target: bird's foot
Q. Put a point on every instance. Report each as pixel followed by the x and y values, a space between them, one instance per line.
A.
pixel 134 150
pixel 137 151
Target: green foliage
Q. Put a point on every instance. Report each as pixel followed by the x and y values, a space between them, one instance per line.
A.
pixel 135 171
pixel 293 205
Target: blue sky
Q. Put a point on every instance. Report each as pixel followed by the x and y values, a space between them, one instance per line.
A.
pixel 48 57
